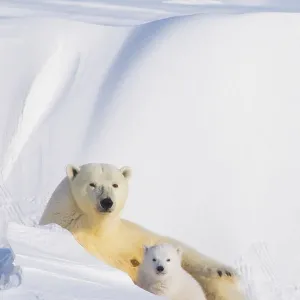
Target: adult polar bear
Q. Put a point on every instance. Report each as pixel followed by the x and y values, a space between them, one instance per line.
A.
pixel 88 203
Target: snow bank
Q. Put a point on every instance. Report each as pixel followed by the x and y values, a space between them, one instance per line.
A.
pixel 57 267
pixel 204 108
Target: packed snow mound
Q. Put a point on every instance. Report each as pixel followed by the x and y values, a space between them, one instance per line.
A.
pixel 204 109
pixel 57 267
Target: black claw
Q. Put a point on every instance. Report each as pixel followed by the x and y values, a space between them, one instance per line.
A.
pixel 220 273
pixel 227 273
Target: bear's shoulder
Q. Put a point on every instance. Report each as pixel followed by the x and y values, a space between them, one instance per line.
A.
pixel 61 209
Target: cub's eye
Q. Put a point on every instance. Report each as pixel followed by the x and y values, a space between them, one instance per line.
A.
pixel 168 259
pixel 154 259
pixel 93 185
pixel 115 185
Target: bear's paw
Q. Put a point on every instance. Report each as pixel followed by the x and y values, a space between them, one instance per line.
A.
pixel 223 272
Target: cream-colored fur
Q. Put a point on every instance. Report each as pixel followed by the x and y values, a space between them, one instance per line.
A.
pixel 74 205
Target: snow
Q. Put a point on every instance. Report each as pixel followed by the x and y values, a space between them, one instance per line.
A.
pixel 63 274
pixel 200 98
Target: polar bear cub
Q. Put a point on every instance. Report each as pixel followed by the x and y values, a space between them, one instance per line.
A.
pixel 160 273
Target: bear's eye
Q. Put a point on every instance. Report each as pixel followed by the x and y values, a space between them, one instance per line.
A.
pixel 93 185
pixel 154 259
pixel 168 259
pixel 115 185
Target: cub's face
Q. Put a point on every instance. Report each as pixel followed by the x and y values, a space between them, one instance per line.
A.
pixel 161 260
pixel 100 189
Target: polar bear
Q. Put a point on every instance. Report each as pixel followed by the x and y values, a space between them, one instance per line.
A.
pixel 88 203
pixel 160 273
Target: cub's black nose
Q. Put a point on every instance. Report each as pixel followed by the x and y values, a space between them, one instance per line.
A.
pixel 106 203
pixel 159 268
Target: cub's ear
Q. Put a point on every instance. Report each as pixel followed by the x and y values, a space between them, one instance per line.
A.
pixel 72 171
pixel 126 171
pixel 145 248
pixel 179 251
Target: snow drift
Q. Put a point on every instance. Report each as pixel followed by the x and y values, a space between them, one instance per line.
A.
pixel 204 109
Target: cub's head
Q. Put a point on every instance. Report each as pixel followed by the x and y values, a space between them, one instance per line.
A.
pixel 161 260
pixel 99 189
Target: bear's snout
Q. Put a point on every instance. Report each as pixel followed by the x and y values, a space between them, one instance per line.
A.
pixel 160 269
pixel 106 203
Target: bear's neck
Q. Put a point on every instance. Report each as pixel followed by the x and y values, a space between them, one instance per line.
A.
pixel 97 226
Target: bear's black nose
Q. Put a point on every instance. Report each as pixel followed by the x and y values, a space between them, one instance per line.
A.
pixel 106 203
pixel 159 268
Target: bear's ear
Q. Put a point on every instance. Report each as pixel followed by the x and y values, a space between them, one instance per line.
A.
pixel 72 171
pixel 126 171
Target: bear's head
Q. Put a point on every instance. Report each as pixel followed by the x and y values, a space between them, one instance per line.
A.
pixel 161 260
pixel 99 189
